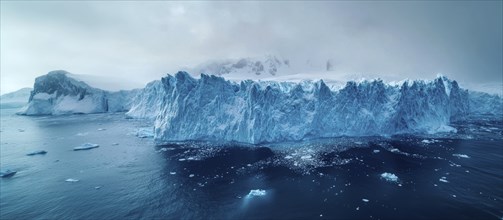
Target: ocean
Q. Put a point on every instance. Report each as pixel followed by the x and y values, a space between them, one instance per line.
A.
pixel 442 176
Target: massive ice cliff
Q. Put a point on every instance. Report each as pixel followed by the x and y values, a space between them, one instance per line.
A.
pixel 58 93
pixel 211 108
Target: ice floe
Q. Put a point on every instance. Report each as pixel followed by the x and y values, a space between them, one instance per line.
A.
pixel 461 156
pixel 443 179
pixel 7 173
pixel 256 193
pixel 36 153
pixel 389 177
pixel 86 146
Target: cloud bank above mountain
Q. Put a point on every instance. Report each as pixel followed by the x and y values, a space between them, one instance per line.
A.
pixel 136 42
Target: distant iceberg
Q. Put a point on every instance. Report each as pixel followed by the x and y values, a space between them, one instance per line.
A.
pixel 16 99
pixel 57 93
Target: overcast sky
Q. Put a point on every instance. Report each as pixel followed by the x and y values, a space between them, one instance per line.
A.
pixel 140 41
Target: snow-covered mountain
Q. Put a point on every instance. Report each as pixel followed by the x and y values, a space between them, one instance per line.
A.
pixel 251 67
pixel 211 108
pixel 264 67
pixel 15 99
pixel 58 93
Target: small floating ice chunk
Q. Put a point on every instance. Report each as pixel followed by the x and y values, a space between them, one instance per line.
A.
pixel 365 200
pixel 97 187
pixel 376 151
pixel 86 146
pixel 461 156
pixel 191 175
pixel 71 180
pixel 425 141
pixel 181 159
pixel 115 144
pixel 357 208
pixel 306 157
pixel 256 192
pixel 41 152
pixel 288 157
pixel 443 179
pixel 7 173
pixel 101 129
pixel 172 173
pixel 389 177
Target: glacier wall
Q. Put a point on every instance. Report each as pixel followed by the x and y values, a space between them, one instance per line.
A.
pixel 57 93
pixel 211 108
pixel 147 102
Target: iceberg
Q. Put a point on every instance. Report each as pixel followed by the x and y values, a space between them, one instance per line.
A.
pixel 86 146
pixel 212 108
pixel 57 93
pixel 71 180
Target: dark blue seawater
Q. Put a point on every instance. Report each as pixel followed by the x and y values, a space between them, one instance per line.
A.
pixel 340 178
